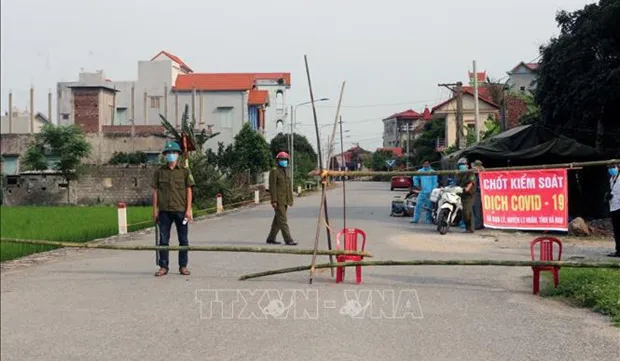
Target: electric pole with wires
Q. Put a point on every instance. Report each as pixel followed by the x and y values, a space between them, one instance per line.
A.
pixel 457 90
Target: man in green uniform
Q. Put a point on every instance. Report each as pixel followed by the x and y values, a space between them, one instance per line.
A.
pixel 467 181
pixel 172 203
pixel 477 203
pixel 281 198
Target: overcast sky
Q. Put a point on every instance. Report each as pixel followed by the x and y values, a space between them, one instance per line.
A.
pixel 391 53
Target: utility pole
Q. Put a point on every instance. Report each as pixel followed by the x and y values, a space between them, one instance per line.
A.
pixel 344 183
pixel 460 141
pixel 476 109
pixel 292 136
pixel 408 143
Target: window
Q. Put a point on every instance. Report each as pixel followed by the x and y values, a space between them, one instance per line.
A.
pixel 65 116
pixel 280 102
pixel 121 116
pixel 155 102
pixel 9 164
pixel 225 117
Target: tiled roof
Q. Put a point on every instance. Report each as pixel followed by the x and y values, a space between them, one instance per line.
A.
pixel 258 97
pixel 174 58
pixel 396 151
pixel 286 77
pixel 426 115
pixel 483 95
pixel 226 81
pixel 407 114
pixel 214 82
pixel 530 66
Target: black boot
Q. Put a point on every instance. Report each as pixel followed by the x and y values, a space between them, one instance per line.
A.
pixel 272 242
pixel 291 243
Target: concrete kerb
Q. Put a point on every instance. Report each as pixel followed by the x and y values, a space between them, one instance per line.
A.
pixel 48 256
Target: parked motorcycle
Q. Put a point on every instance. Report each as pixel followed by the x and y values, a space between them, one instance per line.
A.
pixel 447 207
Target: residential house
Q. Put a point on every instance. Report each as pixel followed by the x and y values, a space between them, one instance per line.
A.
pixel 400 128
pixel 19 122
pixel 352 159
pixel 17 131
pixel 447 110
pixel 522 78
pixel 220 102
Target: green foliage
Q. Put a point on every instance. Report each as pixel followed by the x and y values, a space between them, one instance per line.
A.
pixel 578 85
pixel 378 160
pixel 596 289
pixel 209 181
pixel 188 127
pixel 67 143
pixel 425 145
pixel 129 158
pixel 250 152
pixel 305 158
pixel 533 114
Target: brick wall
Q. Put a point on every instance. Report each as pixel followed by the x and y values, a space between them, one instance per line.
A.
pixel 99 185
pixel 86 105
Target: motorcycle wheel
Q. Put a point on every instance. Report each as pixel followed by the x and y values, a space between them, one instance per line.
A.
pixel 442 222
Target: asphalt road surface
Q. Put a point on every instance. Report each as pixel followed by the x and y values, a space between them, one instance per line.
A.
pixel 106 305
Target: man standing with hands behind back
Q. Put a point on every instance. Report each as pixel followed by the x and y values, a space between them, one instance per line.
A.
pixel 281 198
pixel 172 203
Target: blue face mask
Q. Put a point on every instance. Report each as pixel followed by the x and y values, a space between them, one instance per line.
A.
pixel 172 157
pixel 462 167
pixel 283 163
pixel 426 168
pixel 612 171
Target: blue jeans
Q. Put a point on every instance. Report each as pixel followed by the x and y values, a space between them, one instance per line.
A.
pixel 423 204
pixel 165 220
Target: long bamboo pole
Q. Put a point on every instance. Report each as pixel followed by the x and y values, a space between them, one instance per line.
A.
pixel 503 263
pixel 184 248
pixel 323 204
pixel 569 166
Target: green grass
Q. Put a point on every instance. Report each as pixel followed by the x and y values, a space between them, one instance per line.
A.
pixel 69 224
pixel 596 289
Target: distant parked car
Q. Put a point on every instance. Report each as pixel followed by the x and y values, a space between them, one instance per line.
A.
pixel 400 181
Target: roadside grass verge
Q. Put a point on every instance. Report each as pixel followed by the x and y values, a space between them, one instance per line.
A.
pixel 66 223
pixel 596 289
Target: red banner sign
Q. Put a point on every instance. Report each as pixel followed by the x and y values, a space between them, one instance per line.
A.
pixel 528 200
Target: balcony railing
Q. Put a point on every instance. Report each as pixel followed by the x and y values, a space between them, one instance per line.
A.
pixel 440 144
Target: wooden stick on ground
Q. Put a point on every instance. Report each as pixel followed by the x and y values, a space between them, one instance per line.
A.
pixel 183 248
pixel 611 265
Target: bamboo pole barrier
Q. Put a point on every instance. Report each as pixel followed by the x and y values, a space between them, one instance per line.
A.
pixel 335 173
pixel 186 248
pixel 609 265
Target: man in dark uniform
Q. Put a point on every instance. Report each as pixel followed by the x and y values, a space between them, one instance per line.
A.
pixel 172 203
pixel 281 198
pixel 467 181
pixel 477 203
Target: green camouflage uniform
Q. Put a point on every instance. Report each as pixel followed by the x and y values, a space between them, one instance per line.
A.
pixel 282 194
pixel 467 198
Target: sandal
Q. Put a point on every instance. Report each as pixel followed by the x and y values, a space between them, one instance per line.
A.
pixel 162 272
pixel 184 271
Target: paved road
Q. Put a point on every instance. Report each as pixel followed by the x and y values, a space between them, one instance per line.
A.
pixel 105 305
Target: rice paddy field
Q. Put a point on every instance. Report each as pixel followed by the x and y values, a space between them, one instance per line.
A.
pixel 68 224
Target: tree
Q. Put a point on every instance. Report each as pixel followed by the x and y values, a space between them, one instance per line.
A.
pixel 578 84
pixel 65 143
pixel 378 160
pixel 425 146
pixel 305 158
pixel 188 127
pixel 251 152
